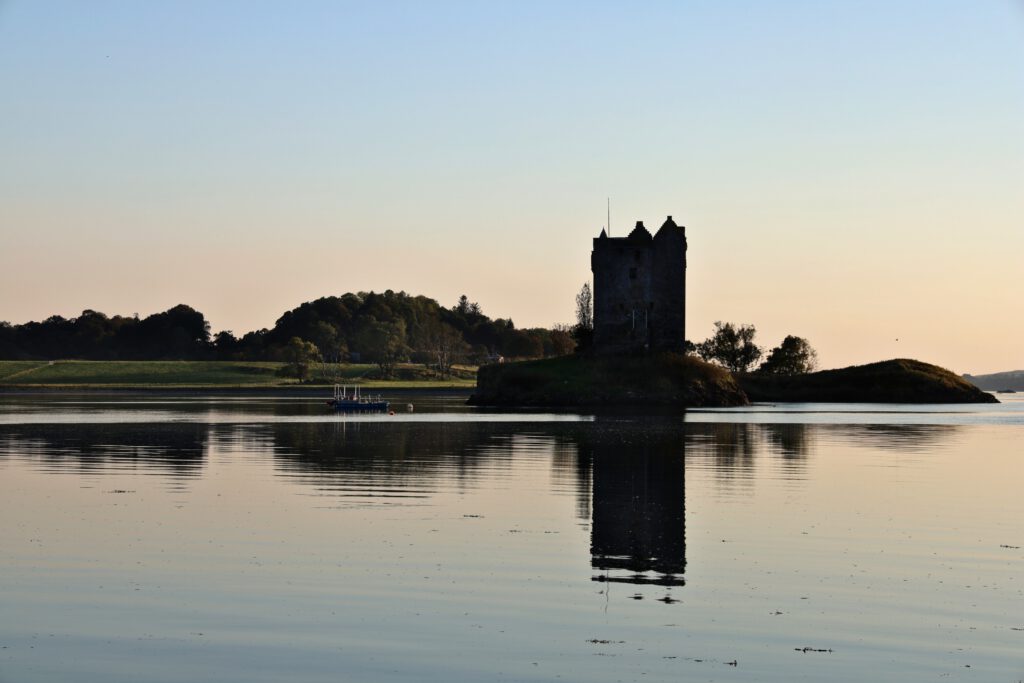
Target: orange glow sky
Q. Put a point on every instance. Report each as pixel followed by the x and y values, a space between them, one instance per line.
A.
pixel 853 174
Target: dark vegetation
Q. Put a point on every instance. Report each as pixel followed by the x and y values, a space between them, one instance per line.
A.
pixel 794 356
pixel 891 381
pixel 732 346
pixel 583 380
pixel 381 328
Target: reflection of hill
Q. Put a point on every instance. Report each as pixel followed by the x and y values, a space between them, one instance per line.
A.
pixel 177 451
pixel 894 437
pixel 369 452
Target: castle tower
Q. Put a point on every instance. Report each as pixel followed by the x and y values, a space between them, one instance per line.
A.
pixel 640 290
pixel 668 285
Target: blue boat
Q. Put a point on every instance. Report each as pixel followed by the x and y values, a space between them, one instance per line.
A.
pixel 353 401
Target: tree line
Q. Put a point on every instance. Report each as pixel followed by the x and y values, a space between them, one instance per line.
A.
pixel 732 346
pixel 383 328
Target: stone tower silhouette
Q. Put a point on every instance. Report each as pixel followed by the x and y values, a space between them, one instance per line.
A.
pixel 640 290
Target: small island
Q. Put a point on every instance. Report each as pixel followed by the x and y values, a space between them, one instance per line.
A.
pixel 900 380
pixel 636 354
pixel 686 381
pixel 658 379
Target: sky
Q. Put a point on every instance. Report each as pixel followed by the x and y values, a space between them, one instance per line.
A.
pixel 852 173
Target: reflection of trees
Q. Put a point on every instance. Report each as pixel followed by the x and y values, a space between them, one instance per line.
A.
pixel 791 441
pixel 732 445
pixel 393 453
pixel 322 453
pixel 176 451
pixel 731 448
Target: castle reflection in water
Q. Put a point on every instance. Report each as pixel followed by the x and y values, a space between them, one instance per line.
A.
pixel 628 474
pixel 638 507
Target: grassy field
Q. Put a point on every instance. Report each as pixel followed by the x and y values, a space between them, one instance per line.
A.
pixel 211 374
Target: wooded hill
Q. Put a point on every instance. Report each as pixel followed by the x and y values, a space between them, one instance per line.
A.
pixel 361 326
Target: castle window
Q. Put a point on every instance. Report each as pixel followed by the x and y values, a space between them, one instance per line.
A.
pixel 632 273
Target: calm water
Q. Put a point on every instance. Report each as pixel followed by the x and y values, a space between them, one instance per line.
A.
pixel 263 539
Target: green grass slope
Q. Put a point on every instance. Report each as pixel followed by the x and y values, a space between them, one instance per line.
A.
pixel 892 381
pixel 663 379
pixel 121 373
pixel 80 374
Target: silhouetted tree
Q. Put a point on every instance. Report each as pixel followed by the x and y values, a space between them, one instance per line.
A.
pixel 253 345
pixel 9 342
pixel 332 323
pixel 463 306
pixel 177 333
pixel 794 356
pixel 583 332
pixel 731 346
pixel 225 345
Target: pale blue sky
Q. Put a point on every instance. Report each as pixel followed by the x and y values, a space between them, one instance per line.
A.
pixel 849 172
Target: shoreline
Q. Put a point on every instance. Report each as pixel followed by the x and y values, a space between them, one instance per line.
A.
pixel 317 391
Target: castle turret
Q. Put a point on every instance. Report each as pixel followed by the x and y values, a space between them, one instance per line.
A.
pixel 668 287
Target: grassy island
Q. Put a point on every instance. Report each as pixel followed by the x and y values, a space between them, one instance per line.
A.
pixel 892 381
pixel 661 379
pixel 671 379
